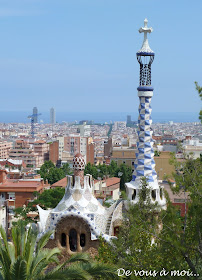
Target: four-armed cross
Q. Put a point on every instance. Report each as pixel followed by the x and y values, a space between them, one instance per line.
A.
pixel 146 30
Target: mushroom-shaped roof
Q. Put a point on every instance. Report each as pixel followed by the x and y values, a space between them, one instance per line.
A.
pixel 80 199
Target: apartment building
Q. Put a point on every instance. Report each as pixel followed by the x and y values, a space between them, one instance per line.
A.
pixel 5 147
pixel 54 152
pixel 16 193
pixel 41 148
pixel 24 151
pixel 33 155
pixel 74 144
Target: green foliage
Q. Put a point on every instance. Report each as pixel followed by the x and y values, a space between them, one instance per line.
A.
pixel 157 153
pixel 199 89
pixel 66 169
pixel 113 170
pixel 22 214
pixel 50 172
pixel 49 198
pixel 25 258
pixel 152 239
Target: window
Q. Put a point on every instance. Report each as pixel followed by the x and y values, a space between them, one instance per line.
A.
pixel 63 240
pixel 73 240
pixel 153 194
pixel 116 231
pixel 161 193
pixel 134 195
pixel 82 240
pixel 11 195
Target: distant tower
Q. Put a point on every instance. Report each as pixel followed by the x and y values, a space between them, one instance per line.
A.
pixel 52 116
pixel 129 119
pixel 144 163
pixel 35 114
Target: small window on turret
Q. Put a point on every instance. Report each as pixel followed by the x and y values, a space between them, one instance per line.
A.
pixel 154 194
pixel 161 193
pixel 134 195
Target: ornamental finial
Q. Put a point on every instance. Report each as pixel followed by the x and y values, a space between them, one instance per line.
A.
pixel 145 46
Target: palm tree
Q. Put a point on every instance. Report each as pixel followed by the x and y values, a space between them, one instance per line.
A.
pixel 25 258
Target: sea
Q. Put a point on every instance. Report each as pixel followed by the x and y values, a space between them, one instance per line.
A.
pixel 97 117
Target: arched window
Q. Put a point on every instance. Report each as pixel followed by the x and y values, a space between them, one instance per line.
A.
pixel 134 195
pixel 73 240
pixel 161 193
pixel 154 194
pixel 82 240
pixel 63 240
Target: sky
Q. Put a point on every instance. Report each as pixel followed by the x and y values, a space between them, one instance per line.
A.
pixel 80 55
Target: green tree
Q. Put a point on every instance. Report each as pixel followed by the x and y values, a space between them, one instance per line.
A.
pixel 199 89
pixel 113 170
pixel 188 178
pixel 45 168
pixel 25 258
pixel 50 172
pixel 91 169
pixel 125 173
pixel 66 169
pixel 21 213
pixel 48 198
pixel 152 239
pixel 132 249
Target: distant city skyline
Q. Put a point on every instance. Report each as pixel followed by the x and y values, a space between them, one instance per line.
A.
pixel 81 55
pixel 21 117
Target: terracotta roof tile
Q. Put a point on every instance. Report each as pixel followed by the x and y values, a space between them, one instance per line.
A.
pixel 61 183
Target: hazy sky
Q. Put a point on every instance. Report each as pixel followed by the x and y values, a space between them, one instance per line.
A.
pixel 80 55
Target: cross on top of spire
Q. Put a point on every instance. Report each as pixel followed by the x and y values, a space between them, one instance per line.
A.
pixel 145 46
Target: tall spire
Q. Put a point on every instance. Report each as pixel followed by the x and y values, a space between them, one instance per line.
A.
pixel 144 162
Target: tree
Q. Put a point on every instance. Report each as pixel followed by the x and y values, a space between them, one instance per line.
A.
pixel 27 259
pixel 91 169
pixel 188 177
pixel 48 198
pixel 152 239
pixel 113 170
pixel 199 89
pixel 66 169
pixel 125 173
pixel 50 172
pixel 132 249
pixel 45 168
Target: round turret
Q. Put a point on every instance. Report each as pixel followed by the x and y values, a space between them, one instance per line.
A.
pixel 78 162
pixel 79 166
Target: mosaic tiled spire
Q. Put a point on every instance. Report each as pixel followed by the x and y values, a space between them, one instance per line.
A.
pixel 144 162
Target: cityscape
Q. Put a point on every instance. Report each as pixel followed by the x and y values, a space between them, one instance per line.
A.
pixel 111 187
